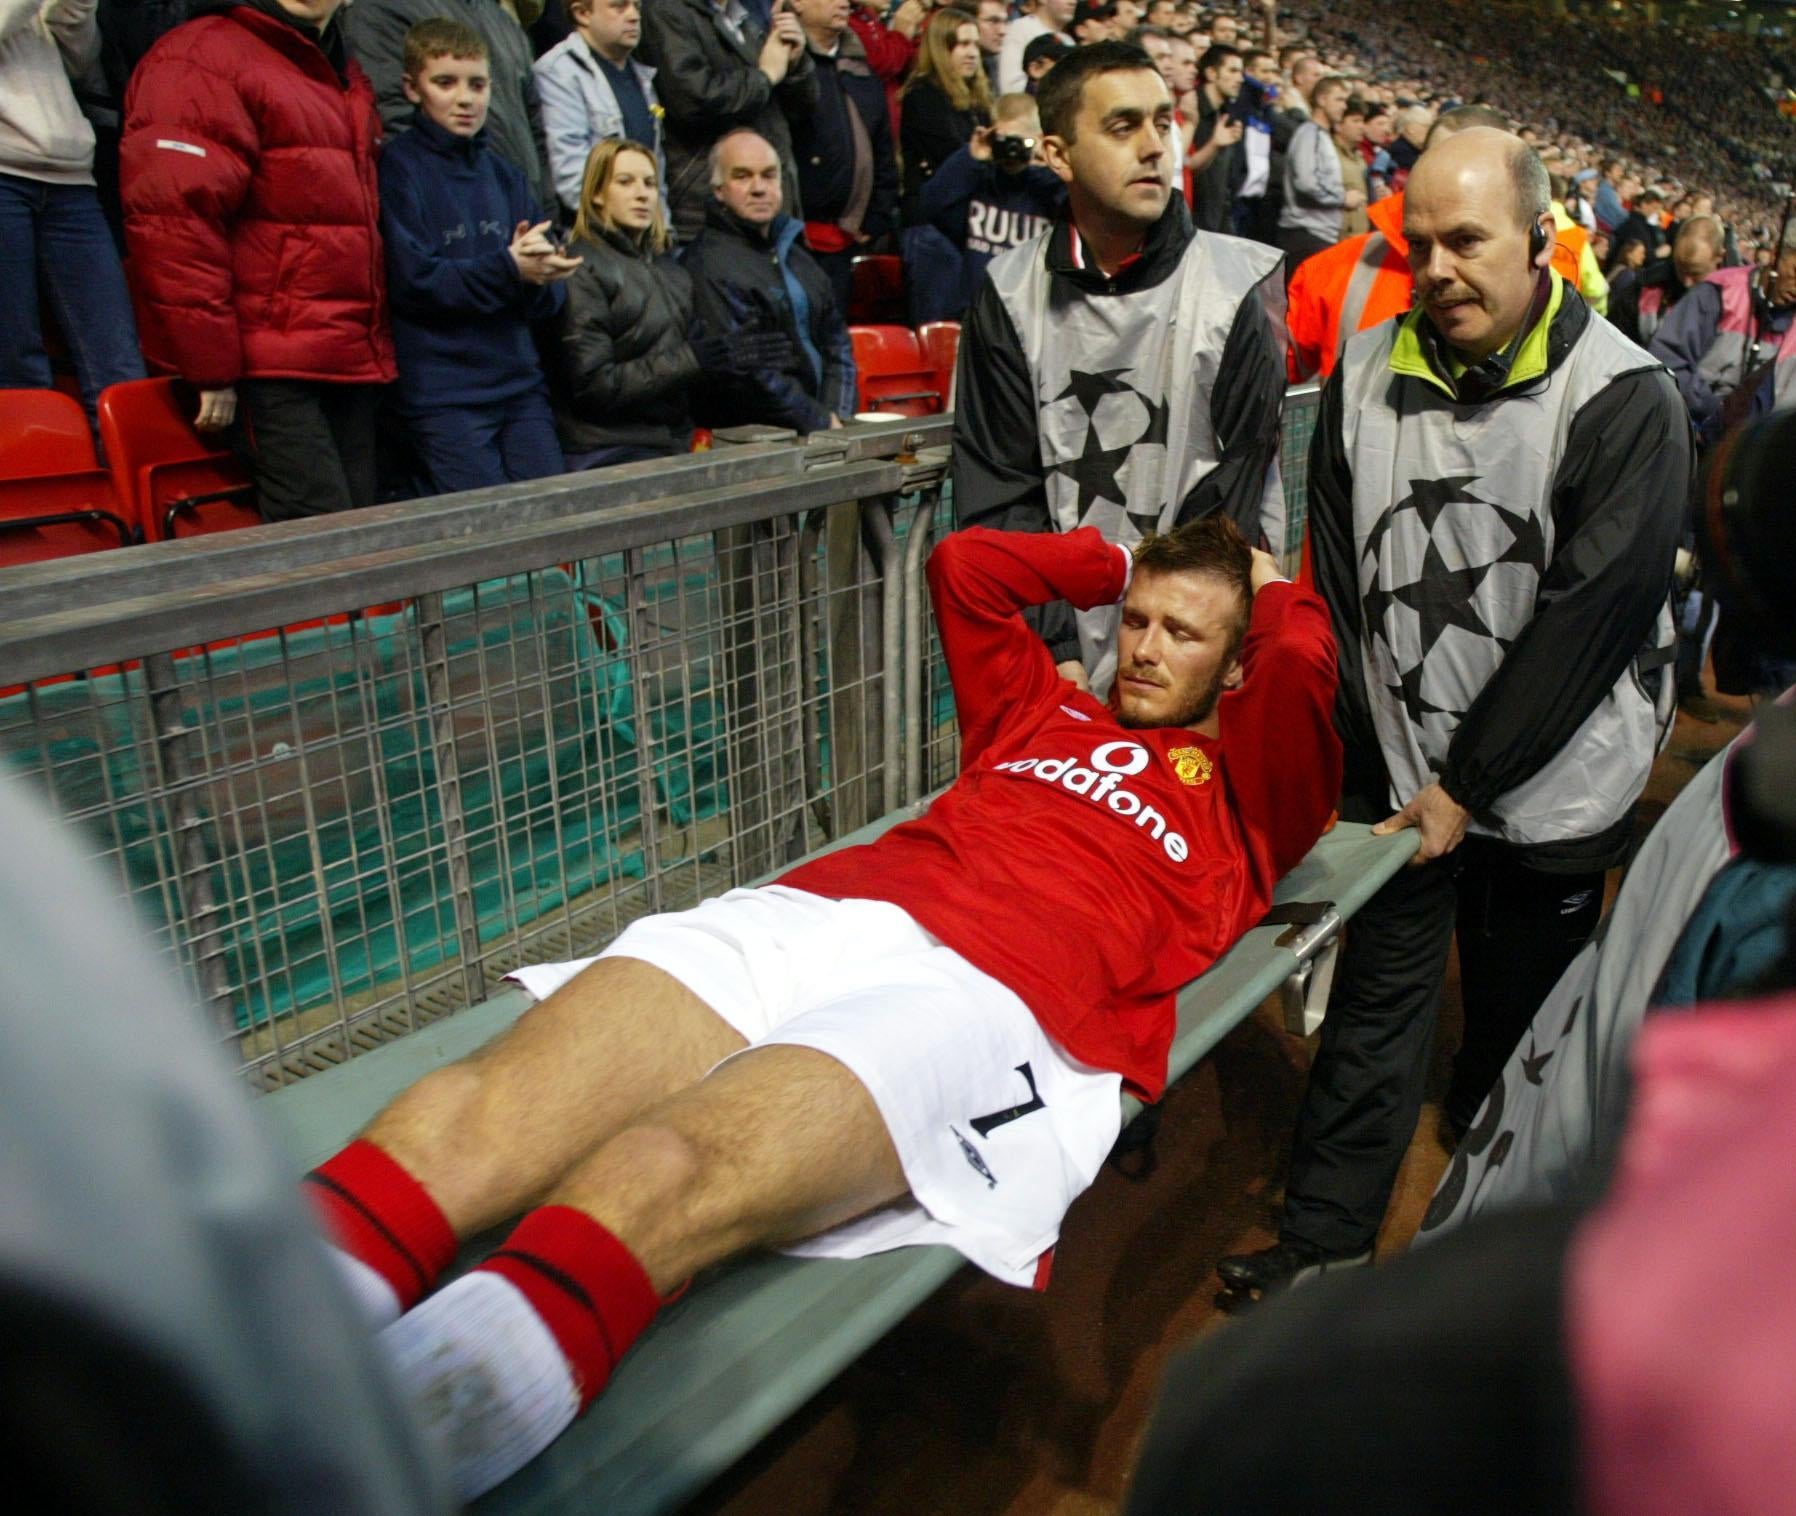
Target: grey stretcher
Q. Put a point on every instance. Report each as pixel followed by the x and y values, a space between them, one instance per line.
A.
pixel 753 1341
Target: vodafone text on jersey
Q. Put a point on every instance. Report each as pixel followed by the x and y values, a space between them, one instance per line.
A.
pixel 1101 784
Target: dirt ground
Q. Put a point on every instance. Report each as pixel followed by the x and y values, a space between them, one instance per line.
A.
pixel 990 1399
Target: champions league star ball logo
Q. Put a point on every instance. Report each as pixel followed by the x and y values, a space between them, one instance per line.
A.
pixel 1191 764
pixel 1098 427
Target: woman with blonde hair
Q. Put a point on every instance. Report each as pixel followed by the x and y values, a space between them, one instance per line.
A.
pixel 629 352
pixel 946 98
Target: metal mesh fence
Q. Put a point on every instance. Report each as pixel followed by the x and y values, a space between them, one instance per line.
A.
pixel 345 828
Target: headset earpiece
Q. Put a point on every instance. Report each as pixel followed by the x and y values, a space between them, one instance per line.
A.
pixel 1537 241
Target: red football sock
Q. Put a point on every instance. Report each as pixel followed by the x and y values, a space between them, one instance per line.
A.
pixel 586 1285
pixel 375 1211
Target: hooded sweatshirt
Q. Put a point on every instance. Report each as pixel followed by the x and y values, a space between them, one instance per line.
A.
pixel 43 134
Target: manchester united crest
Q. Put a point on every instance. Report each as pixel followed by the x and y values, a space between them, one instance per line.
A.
pixel 1192 765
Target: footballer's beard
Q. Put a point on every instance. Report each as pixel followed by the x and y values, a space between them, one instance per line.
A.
pixel 1195 710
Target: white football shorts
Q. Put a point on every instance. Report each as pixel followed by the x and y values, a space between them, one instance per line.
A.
pixel 998 1130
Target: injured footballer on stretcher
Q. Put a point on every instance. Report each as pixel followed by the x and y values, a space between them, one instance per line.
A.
pixel 919 1040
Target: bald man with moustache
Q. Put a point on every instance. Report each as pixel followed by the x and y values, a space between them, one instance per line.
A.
pixel 1497 485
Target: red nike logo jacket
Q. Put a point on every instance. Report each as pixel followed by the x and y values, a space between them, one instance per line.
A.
pixel 1092 868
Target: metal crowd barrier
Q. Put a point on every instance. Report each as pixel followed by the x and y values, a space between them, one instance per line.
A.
pixel 350 772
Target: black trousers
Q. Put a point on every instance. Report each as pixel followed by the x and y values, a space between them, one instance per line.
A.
pixel 1518 928
pixel 311 445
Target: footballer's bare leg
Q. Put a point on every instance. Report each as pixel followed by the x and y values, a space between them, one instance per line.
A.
pixel 779 1144
pixel 775 1145
pixel 479 1141
pixel 491 1135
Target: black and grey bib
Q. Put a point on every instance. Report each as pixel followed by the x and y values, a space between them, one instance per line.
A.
pixel 1123 384
pixel 1453 529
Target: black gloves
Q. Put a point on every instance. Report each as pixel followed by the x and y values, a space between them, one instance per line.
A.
pixel 741 352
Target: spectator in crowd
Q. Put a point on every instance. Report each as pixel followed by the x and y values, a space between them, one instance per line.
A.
pixel 1379 129
pixel 1578 202
pixel 1644 225
pixel 1348 135
pixel 630 353
pixel 1626 263
pixel 891 48
pixel 1302 71
pixel 1180 69
pixel 1732 338
pixel 944 101
pixel 1610 212
pixel 1092 22
pixel 1409 132
pixel 1040 56
pixel 1513 731
pixel 468 270
pixel 752 276
pixel 719 69
pixel 847 171
pixel 375 33
pixel 1215 160
pixel 51 225
pixel 593 86
pixel 1125 17
pixel 1157 44
pixel 284 309
pixel 1639 307
pixel 1266 139
pixel 993 16
pixel 1078 395
pixel 1316 195
pixel 1590 281
pixel 1039 18
pixel 991 195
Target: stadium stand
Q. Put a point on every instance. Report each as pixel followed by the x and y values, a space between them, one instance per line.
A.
pixel 177 482
pixel 893 373
pixel 55 498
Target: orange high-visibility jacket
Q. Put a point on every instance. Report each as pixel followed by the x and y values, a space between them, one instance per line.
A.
pixel 1365 280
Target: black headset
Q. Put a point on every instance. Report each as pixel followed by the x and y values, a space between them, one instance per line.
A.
pixel 1537 240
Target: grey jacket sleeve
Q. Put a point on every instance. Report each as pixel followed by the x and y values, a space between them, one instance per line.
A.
pixel 1618 510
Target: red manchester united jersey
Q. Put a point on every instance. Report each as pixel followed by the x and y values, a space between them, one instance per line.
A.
pixel 1094 868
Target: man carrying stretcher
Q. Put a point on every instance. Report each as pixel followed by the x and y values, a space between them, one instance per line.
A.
pixel 919 1040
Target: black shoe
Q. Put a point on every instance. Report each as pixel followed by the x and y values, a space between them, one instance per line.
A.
pixel 1283 1265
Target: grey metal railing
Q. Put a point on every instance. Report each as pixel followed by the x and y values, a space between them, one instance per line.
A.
pixel 351 772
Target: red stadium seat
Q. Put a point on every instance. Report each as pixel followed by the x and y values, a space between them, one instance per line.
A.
pixel 892 373
pixel 55 499
pixel 940 341
pixel 179 483
pixel 878 289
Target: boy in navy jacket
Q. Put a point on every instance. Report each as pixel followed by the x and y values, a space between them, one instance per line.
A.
pixel 990 196
pixel 469 267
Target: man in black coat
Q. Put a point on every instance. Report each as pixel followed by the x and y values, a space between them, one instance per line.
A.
pixel 751 273
pixel 719 69
pixel 847 170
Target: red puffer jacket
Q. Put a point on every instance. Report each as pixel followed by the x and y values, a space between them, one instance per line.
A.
pixel 251 207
